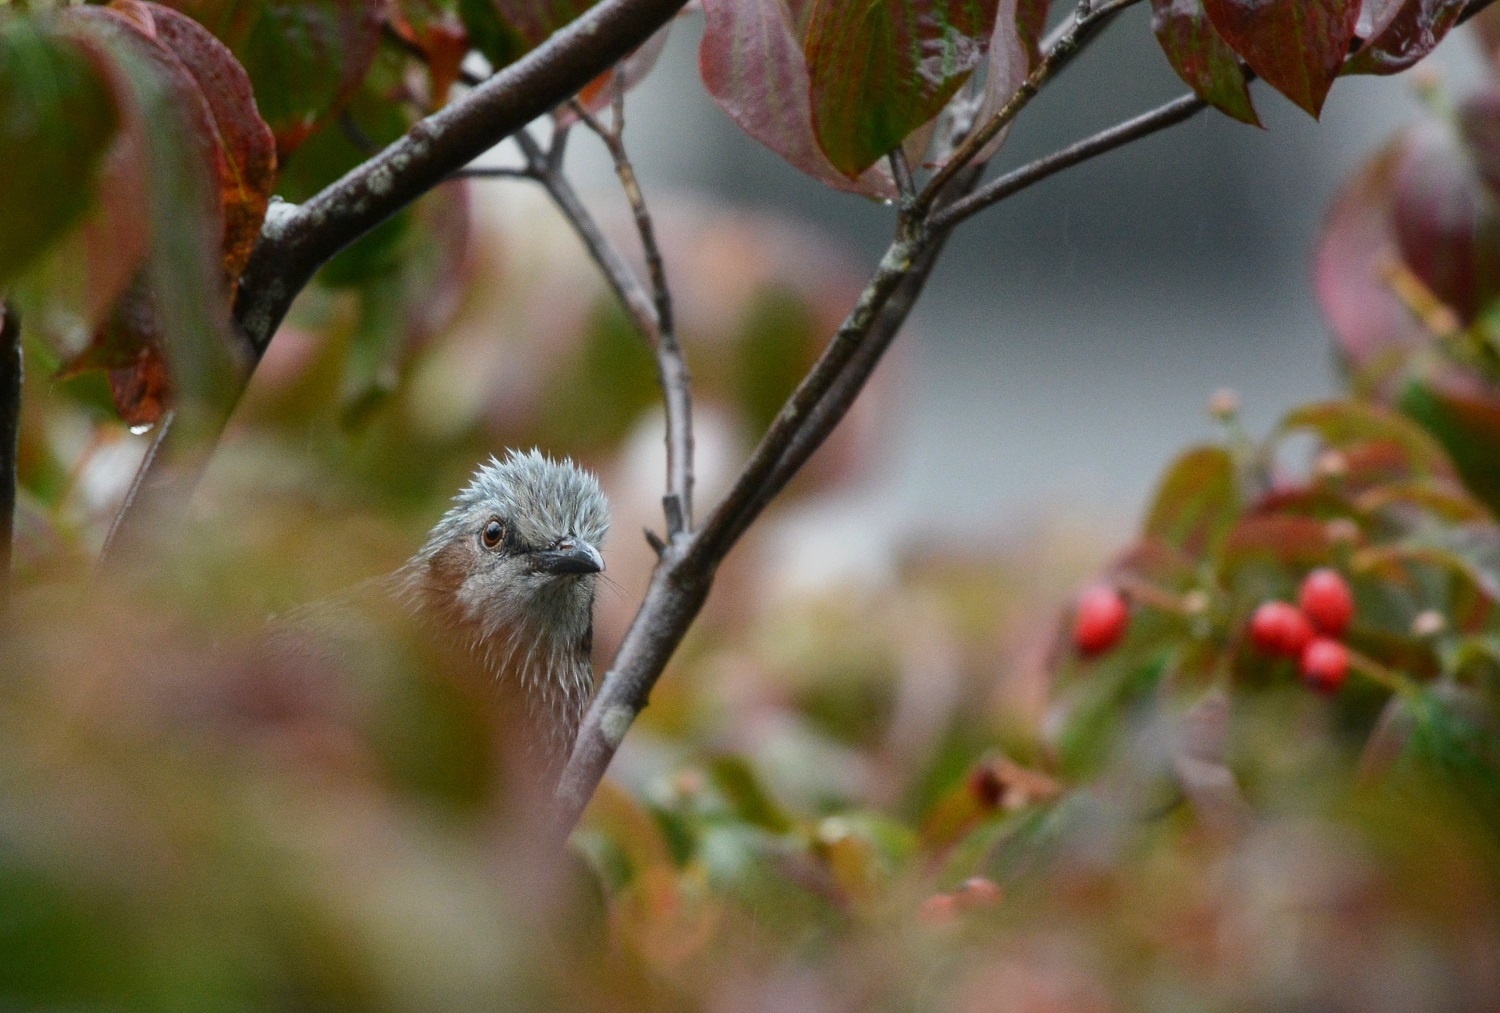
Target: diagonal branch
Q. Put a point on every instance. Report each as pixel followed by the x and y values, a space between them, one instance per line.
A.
pixel 998 189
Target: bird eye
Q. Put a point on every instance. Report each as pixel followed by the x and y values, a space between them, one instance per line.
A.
pixel 493 533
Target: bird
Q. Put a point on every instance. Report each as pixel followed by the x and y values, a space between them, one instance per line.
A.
pixel 503 586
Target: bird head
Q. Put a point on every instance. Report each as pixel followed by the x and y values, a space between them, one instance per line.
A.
pixel 518 552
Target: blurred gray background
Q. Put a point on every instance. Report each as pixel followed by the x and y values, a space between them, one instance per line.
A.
pixel 1067 344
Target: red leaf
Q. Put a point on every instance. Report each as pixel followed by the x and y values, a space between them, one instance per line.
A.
pixel 129 346
pixel 1202 58
pixel 753 65
pixel 245 148
pixel 439 34
pixel 1297 46
pixel 1398 33
pixel 880 71
pixel 306 58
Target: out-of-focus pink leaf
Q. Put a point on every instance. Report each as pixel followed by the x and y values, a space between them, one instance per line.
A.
pixel 752 63
pixel 1352 262
pixel 1446 224
pixel 1202 58
pixel 880 71
pixel 1297 46
pixel 1398 33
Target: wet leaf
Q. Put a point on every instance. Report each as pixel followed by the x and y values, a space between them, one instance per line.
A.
pixel 57 118
pixel 305 58
pixel 246 148
pixel 1202 58
pixel 1398 33
pixel 752 63
pixel 879 71
pixel 1196 502
pixel 1296 46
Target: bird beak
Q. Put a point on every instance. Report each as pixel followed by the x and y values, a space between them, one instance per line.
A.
pixel 570 556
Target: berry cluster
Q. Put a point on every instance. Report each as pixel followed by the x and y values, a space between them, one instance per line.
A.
pixel 1310 630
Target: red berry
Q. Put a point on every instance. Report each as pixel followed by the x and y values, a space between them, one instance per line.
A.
pixel 1101 620
pixel 1325 665
pixel 1280 629
pixel 1326 599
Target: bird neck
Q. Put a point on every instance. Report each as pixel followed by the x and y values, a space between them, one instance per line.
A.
pixel 541 673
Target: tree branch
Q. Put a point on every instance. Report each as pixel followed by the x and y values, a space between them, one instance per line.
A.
pixel 1072 39
pixel 1170 114
pixel 671 366
pixel 296 241
pixel 10 430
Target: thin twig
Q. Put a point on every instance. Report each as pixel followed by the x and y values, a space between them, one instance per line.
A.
pixel 906 186
pixel 672 370
pixel 617 272
pixel 10 430
pixel 1057 56
pixel 1160 118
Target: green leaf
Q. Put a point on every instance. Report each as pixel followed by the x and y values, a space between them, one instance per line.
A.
pixel 57 118
pixel 1455 739
pixel 1347 423
pixel 1196 503
pixel 1468 427
pixel 880 70
pixel 1202 58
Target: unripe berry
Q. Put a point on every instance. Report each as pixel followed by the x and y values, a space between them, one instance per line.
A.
pixel 1280 629
pixel 1327 601
pixel 1101 620
pixel 1325 665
